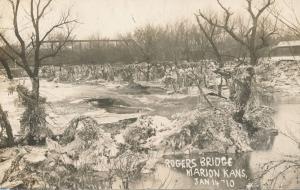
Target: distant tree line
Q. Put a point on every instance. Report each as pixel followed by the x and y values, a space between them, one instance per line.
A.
pixel 159 43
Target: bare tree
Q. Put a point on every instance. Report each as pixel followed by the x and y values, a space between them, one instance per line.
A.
pixel 253 36
pixel 253 39
pixel 28 54
pixel 4 122
pixel 21 54
pixel 147 40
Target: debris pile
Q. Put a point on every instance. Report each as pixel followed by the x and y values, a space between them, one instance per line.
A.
pixel 284 76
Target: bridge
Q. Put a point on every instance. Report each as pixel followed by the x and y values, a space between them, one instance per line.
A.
pixel 99 51
pixel 77 45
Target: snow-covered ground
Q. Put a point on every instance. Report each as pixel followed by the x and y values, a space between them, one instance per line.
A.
pixel 64 102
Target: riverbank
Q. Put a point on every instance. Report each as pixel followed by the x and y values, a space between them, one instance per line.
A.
pixel 162 123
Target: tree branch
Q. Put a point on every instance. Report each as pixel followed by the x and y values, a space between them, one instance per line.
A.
pixel 43 9
pixel 60 46
pixel 11 57
pixel 225 25
pixel 268 4
pixel 62 22
pixel 9 45
pixel 15 7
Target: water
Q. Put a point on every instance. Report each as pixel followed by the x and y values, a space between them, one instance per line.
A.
pixel 287 121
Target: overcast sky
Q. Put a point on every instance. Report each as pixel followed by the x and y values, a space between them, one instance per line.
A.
pixel 112 17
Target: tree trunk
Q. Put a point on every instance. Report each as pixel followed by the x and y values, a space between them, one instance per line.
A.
pixel 148 72
pixel 242 97
pixel 35 81
pixel 6 125
pixel 125 183
pixel 253 58
pixel 220 87
pixel 7 69
pixel 33 116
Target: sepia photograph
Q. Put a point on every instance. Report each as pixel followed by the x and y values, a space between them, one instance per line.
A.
pixel 150 94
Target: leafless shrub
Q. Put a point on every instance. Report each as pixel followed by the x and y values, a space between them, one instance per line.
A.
pixel 127 167
pixel 274 174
